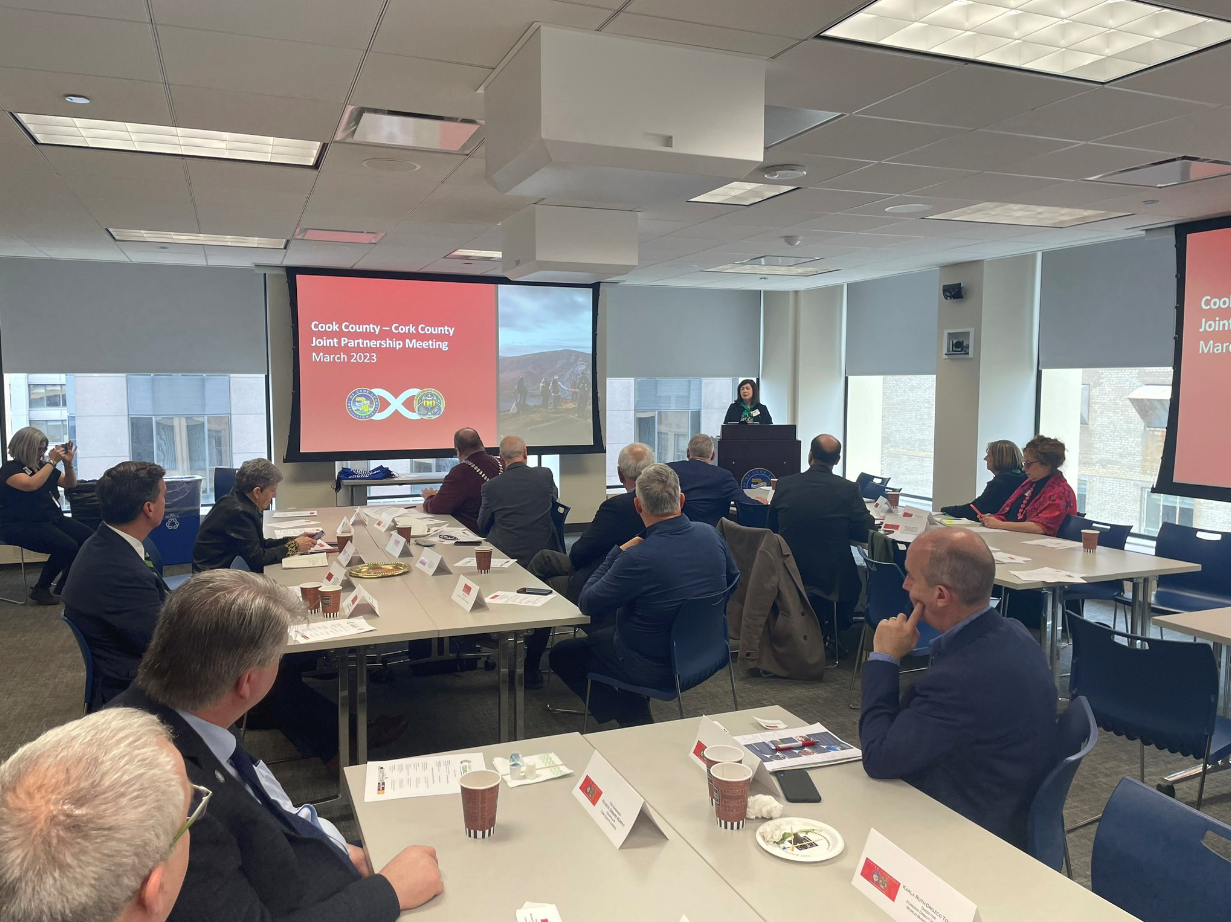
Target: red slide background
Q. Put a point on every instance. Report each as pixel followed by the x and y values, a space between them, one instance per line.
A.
pixel 465 375
pixel 1203 440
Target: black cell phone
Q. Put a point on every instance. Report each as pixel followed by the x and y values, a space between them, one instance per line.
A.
pixel 530 590
pixel 797 787
pixel 467 543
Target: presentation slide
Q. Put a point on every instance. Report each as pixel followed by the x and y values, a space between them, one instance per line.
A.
pixel 1198 439
pixel 391 367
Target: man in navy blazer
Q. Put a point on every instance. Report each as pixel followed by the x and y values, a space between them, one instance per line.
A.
pixel 977 731
pixel 708 490
pixel 113 594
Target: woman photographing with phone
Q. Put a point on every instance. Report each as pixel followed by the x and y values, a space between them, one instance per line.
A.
pixel 30 513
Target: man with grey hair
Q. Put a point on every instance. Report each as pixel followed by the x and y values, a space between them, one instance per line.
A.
pixel 615 521
pixel 977 731
pixel 710 489
pixel 646 580
pixel 94 820
pixel 515 512
pixel 213 656
pixel 234 528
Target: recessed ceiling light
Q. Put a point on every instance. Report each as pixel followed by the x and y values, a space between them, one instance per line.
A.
pixel 909 208
pixel 1149 201
pixel 463 253
pixel 1095 40
pixel 785 171
pixel 390 165
pixel 1172 172
pixel 213 240
pixel 743 193
pixel 79 100
pixel 66 131
pixel 409 129
pixel 773 265
pixel 1026 215
pixel 338 236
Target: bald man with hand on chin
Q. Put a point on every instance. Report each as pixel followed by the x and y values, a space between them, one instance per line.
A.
pixel 977 731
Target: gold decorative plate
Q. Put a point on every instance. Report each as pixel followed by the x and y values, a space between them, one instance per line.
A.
pixel 378 570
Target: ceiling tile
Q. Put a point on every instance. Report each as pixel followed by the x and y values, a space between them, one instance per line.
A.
pixel 712 231
pixel 691 212
pixel 648 229
pixel 1206 133
pixel 132 10
pixel 862 138
pixel 974 96
pixel 348 219
pixel 242 256
pixel 253 113
pixel 1210 196
pixel 936 204
pixel 819 168
pixel 691 33
pixel 180 253
pixel 382 195
pixel 144 215
pixel 309 253
pixel 1097 114
pixel 894 178
pixel 818 75
pixel 1081 161
pixel 89 188
pixel 349 158
pixel 241 63
pixel 1071 194
pixel 78 45
pixel 246 221
pixel 239 197
pixel 796 18
pixel 457 233
pixel 321 22
pixel 989 187
pixel 399 259
pixel 250 176
pixel 123 165
pixel 462 206
pixel 1201 77
pixel 458 267
pixel 390 81
pixel 42 92
pixel 848 223
pixel 472 31
pixel 981 150
pixel 66 249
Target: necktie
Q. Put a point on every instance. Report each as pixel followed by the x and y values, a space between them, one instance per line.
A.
pixel 149 563
pixel 246 769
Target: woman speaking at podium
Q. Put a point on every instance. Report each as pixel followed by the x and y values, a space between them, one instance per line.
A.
pixel 746 409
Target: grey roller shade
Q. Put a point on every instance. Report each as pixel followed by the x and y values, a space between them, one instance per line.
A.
pixel 891 325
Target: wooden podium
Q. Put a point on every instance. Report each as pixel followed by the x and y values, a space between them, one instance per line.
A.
pixel 756 453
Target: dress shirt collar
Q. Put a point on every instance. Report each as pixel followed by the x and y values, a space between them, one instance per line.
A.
pixel 674 523
pixel 941 643
pixel 220 740
pixel 132 542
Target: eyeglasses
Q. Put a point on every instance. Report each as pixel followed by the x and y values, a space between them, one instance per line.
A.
pixel 196 809
pixel 1026 465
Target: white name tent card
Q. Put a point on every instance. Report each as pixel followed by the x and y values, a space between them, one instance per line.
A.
pixel 396 546
pixel 611 801
pixel 384 521
pixel 431 563
pixel 349 555
pixel 904 888
pixel 468 595
pixel 357 598
pixel 305 561
pixel 345 527
pixel 336 575
pixel 881 508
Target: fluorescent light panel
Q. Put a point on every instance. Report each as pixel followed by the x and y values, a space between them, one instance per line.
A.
pixel 1096 40
pixel 64 131
pixel 409 129
pixel 1025 215
pixel 338 236
pixel 212 240
pixel 463 253
pixel 1173 172
pixel 770 265
pixel 743 193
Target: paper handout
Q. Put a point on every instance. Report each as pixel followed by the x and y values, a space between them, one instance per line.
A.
pixel 419 777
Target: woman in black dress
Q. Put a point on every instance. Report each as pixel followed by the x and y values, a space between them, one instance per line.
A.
pixel 1004 460
pixel 746 408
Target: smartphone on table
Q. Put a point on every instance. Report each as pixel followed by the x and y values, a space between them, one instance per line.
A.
pixel 797 786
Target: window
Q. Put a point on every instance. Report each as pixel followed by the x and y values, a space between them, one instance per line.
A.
pixel 1112 422
pixel 190 424
pixel 890 430
pixel 405 467
pixel 664 413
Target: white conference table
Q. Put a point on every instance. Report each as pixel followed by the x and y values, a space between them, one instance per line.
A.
pixel 545 850
pixel 415 606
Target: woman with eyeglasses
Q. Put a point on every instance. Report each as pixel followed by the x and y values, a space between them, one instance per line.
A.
pixel 1004 459
pixel 1041 504
pixel 30 513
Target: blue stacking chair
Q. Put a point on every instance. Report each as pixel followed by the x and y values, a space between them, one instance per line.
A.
pixel 559 514
pixel 224 481
pixel 751 516
pixel 699 649
pixel 875 487
pixel 1150 858
pixel 1209 588
pixel 87 657
pixel 1076 734
pixel 1161 692
pixel 886 599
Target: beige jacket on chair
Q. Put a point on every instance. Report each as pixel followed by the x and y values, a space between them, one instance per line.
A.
pixel 769 615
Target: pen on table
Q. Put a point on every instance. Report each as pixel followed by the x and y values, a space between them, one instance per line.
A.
pixel 795 744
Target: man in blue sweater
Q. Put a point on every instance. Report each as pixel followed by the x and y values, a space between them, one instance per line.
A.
pixel 645 580
pixel 977 731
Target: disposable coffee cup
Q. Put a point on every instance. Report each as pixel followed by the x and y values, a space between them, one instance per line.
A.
pixel 311 593
pixel 712 755
pixel 343 540
pixel 1089 540
pixel 411 526
pixel 893 496
pixel 479 792
pixel 331 599
pixel 773 483
pixel 731 782
pixel 406 531
pixel 483 559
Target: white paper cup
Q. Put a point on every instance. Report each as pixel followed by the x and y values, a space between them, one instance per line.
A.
pixel 712 755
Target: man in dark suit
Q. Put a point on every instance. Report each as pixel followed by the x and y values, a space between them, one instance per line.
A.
pixel 708 490
pixel 647 579
pixel 113 594
pixel 255 855
pixel 977 731
pixel 615 521
pixel 819 514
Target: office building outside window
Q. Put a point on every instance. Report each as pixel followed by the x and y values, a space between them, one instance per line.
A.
pixel 890 430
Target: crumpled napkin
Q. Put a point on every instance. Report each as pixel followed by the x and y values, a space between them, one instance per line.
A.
pixel 762 806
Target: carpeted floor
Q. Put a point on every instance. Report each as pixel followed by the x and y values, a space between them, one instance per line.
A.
pixel 41 681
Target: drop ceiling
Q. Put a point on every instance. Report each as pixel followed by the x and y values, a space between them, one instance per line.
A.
pixel 916 129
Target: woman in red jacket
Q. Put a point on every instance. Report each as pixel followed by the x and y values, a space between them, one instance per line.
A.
pixel 1040 504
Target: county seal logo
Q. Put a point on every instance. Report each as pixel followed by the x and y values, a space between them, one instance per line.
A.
pixel 361 403
pixel 429 403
